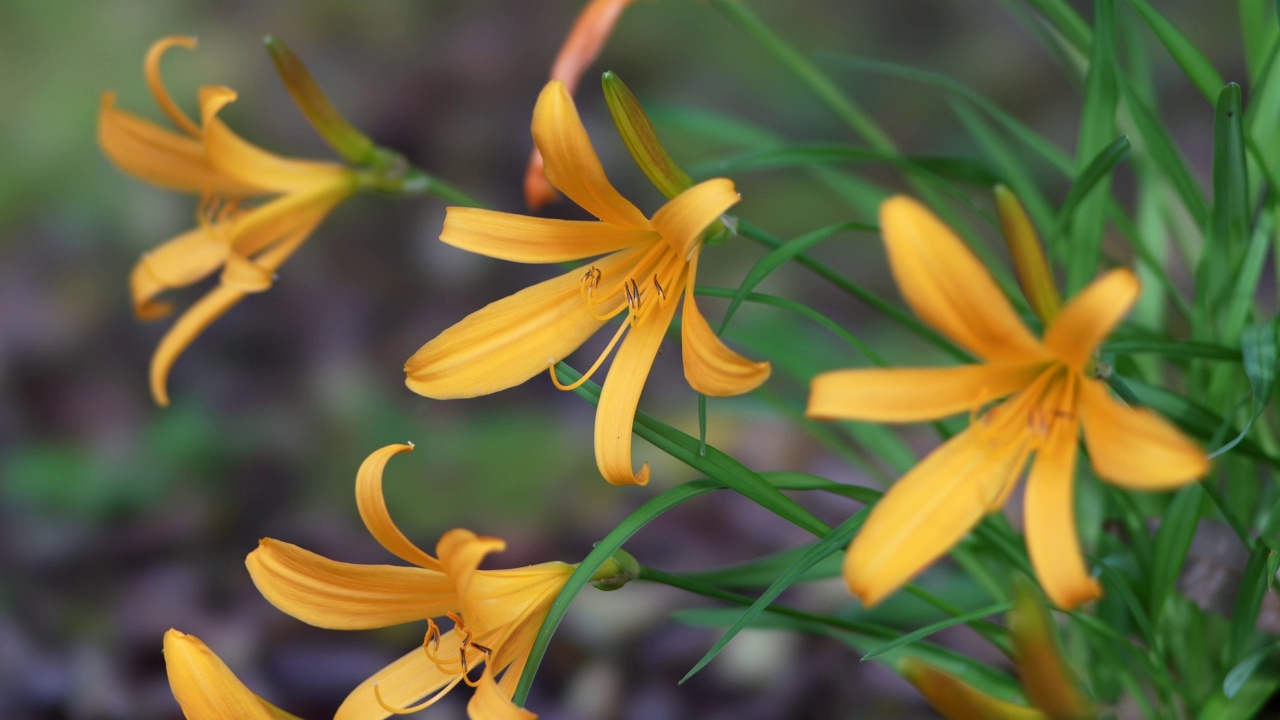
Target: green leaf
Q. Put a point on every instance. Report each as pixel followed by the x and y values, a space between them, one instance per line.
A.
pixel 1229 217
pixel 1197 67
pixel 1098 169
pixel 1097 129
pixel 763 571
pixel 779 256
pixel 1115 582
pixel 928 630
pixel 1184 349
pixel 1066 21
pixel 1243 670
pixel 834 542
pixel 1258 29
pixel 1244 616
pixel 1173 539
pixel 1164 153
pixel 1258 351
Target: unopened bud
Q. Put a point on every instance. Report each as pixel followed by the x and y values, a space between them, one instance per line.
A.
pixel 1028 256
pixel 348 142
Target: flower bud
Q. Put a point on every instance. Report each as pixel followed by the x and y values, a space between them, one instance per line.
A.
pixel 1028 256
pixel 348 142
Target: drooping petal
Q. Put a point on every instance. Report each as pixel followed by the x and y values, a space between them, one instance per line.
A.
pixel 185 330
pixel 346 596
pixel 956 699
pixel 913 394
pixel 620 396
pixel 492 702
pixel 510 340
pixel 177 263
pixel 160 156
pixel 373 510
pixel 461 552
pixel 683 219
pixel 571 163
pixel 520 238
pixel 1050 520
pixel 151 70
pixel 710 366
pixel 948 287
pixel 1090 316
pixel 205 687
pixel 1135 447
pixel 236 158
pixel 930 509
pixel 404 682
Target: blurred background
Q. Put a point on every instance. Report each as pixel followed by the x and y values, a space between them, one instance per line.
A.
pixel 119 520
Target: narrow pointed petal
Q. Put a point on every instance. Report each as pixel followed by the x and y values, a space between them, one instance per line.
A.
pixel 177 263
pixel 346 596
pixel 185 330
pixel 930 509
pixel 247 163
pixel 571 163
pixel 520 238
pixel 400 684
pixel 151 70
pixel 373 510
pixel 913 394
pixel 1090 317
pixel 1050 520
pixel 1135 447
pixel 491 702
pixel 160 156
pixel 510 340
pixel 205 687
pixel 461 552
pixel 948 287
pixel 244 274
pixel 684 218
pixel 955 699
pixel 710 366
pixel 582 46
pixel 620 397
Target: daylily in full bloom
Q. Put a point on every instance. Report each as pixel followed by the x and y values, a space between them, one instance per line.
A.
pixel 205 687
pixel 650 263
pixel 1051 392
pixel 582 46
pixel 248 244
pixel 496 614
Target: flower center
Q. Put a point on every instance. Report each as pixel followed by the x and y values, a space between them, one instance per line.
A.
pixel 655 280
pixel 459 667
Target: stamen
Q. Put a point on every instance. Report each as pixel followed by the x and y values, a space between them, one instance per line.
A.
pixel 632 291
pixel 658 286
pixel 595 366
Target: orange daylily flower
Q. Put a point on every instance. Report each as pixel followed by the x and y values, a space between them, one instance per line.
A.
pixel 247 243
pixel 580 49
pixel 1052 395
pixel 496 614
pixel 205 687
pixel 650 263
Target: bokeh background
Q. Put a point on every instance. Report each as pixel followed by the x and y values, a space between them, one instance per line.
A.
pixel 119 520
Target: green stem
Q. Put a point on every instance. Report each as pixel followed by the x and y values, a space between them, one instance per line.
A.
pixel 417 182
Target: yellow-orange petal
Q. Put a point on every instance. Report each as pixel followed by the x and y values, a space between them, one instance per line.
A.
pixel 185 330
pixel 151 70
pixel 913 394
pixel 160 156
pixel 586 39
pixel 1090 317
pixel 1050 520
pixel 571 163
pixel 1135 447
pixel 372 506
pixel 710 366
pixel 620 396
pixel 405 681
pixel 346 596
pixel 492 702
pixel 684 218
pixel 930 509
pixel 244 274
pixel 461 552
pixel 537 189
pixel 525 239
pixel 236 158
pixel 510 340
pixel 955 699
pixel 948 287
pixel 205 687
pixel 179 262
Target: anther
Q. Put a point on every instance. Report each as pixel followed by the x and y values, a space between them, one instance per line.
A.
pixel 632 291
pixel 657 286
